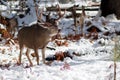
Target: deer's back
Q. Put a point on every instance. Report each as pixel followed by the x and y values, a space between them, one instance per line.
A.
pixel 34 36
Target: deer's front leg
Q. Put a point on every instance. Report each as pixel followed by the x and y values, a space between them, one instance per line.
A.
pixel 37 56
pixel 20 55
pixel 27 54
pixel 43 54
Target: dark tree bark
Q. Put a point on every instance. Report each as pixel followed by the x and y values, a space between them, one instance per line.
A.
pixel 110 7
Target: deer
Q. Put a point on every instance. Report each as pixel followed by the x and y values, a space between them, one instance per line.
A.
pixel 35 37
pixel 82 19
pixel 10 23
pixel 12 26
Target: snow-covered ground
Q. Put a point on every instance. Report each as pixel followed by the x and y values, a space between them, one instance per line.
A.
pixel 95 60
pixel 96 64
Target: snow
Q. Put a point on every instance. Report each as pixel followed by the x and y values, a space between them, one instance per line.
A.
pixel 95 65
pixel 95 62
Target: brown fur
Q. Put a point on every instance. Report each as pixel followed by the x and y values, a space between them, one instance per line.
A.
pixel 35 37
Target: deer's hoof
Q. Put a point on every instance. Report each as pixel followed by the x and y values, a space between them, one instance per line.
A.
pixel 18 63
